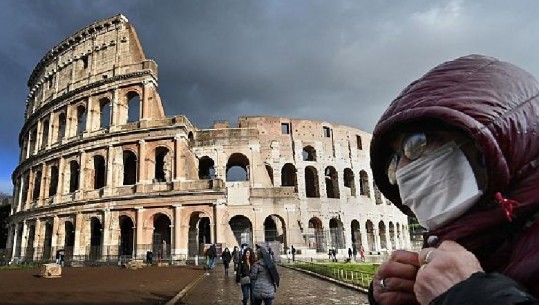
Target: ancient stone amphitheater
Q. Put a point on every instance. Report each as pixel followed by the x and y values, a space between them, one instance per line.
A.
pixel 105 174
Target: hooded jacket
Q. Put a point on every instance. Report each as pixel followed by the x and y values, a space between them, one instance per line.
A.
pixel 497 105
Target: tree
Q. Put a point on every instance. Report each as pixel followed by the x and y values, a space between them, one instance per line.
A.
pixel 5 207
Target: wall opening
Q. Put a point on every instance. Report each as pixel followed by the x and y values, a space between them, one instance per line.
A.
pixel 242 229
pixel 332 182
pixel 53 184
pixel 133 107
pixel 289 176
pixel 104 112
pixel 311 182
pixel 130 168
pixel 161 236
pixel 237 168
pixel 349 181
pixel 61 126
pixel 162 164
pixel 37 185
pixel 206 168
pixel 309 153
pixel 73 176
pixel 364 184
pixel 100 173
pixel 81 119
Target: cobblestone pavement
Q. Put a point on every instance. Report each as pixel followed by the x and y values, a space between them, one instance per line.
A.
pixel 297 288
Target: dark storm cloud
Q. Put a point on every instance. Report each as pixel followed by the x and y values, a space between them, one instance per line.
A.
pixel 339 61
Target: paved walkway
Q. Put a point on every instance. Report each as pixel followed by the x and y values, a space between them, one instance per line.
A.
pixel 297 288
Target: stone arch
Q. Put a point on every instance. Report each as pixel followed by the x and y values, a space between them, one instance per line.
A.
pixel 237 167
pixel 289 176
pixel 53 184
pixel 33 140
pixel 69 239
pixel 392 241
pixel 309 153
pixel 364 184
pixel 190 136
pixel 349 181
pixel 355 232
pixel 45 133
pixel 315 235
pixel 37 185
pixel 162 235
pixel 206 168
pixel 29 254
pixel 26 184
pixel 382 234
pixel 332 182
pixel 274 229
pixel 199 232
pixel 311 182
pixel 100 171
pixel 104 113
pixel 96 231
pixel 369 227
pixel 133 106
pixel 74 171
pixel 129 167
pixel 336 232
pixel 81 119
pixel 61 126
pixel 163 164
pixel 242 228
pixel 126 235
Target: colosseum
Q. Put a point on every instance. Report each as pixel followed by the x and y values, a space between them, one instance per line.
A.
pixel 105 174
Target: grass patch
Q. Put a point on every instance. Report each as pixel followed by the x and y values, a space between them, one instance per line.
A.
pixel 358 274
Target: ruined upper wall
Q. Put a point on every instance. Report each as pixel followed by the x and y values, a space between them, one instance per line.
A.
pixel 97 53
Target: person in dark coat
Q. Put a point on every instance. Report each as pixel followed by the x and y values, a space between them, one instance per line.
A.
pixel 226 257
pixel 264 277
pixel 243 274
pixel 236 257
pixel 459 149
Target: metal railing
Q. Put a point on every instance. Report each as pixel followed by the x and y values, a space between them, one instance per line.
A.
pixel 354 277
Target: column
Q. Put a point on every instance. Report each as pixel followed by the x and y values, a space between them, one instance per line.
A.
pixel 82 169
pixel 142 174
pixel 176 250
pixel 39 130
pixel 139 238
pixel 51 131
pixel 105 251
pixel 177 157
pixel 219 211
pixel 377 245
pixel 54 239
pixel 109 169
pixel 38 240
pixel 364 240
pixel 15 241
pixel 389 246
pixel 78 230
pixel 114 113
pixel 61 172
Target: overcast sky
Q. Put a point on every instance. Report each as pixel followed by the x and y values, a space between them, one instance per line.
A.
pixel 339 61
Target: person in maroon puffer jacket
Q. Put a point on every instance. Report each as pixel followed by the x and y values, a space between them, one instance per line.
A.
pixel 459 150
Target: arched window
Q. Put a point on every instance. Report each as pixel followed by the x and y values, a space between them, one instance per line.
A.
pixel 289 176
pixel 364 184
pixel 37 185
pixel 45 134
pixel 81 119
pixel 332 182
pixel 311 182
pixel 99 172
pixel 61 126
pixel 104 112
pixel 349 181
pixel 73 176
pixel 237 168
pixel 309 153
pixel 130 168
pixel 162 164
pixel 206 168
pixel 133 107
pixel 53 186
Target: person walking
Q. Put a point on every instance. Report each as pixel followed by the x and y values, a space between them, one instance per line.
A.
pixel 212 254
pixel 226 257
pixel 264 277
pixel 293 253
pixel 243 274
pixel 458 149
pixel 361 253
pixel 349 254
pixel 236 256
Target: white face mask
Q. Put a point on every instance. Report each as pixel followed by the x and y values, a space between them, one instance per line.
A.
pixel 439 187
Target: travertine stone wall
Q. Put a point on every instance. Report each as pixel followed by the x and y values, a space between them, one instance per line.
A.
pixel 104 172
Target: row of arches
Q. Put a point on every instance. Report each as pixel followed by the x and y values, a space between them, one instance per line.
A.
pixel 83 116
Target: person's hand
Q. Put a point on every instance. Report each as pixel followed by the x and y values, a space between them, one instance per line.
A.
pixel 393 283
pixel 442 268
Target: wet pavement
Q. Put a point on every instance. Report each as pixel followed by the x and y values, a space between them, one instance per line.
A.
pixel 297 288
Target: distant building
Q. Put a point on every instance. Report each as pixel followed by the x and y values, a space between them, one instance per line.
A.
pixel 103 172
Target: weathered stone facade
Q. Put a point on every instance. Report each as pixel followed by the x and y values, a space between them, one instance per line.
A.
pixel 103 172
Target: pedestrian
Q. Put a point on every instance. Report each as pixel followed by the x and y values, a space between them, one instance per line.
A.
pixel 212 254
pixel 458 149
pixel 264 277
pixel 349 253
pixel 236 258
pixel 354 252
pixel 243 274
pixel 149 257
pixel 293 253
pixel 226 257
pixel 334 254
pixel 361 253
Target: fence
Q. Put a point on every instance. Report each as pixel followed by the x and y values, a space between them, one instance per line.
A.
pixel 354 277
